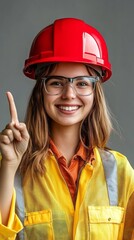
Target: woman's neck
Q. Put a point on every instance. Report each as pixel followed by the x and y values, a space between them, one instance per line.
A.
pixel 66 140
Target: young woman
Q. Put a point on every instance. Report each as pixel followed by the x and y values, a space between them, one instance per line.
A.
pixel 56 168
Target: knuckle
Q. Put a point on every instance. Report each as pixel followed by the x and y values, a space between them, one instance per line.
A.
pixel 5 139
pixel 23 125
pixel 9 131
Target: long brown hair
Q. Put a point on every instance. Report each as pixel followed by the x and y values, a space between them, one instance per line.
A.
pixel 95 129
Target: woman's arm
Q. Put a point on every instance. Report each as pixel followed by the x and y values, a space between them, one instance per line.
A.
pixel 13 143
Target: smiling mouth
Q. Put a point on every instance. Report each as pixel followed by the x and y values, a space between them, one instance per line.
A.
pixel 68 108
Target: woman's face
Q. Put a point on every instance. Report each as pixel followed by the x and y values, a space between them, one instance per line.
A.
pixel 68 108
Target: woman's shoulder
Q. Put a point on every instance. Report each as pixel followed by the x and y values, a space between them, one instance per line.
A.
pixel 107 152
pixel 123 163
pixel 119 156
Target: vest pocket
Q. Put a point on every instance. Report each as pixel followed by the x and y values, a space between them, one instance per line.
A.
pixel 38 225
pixel 105 222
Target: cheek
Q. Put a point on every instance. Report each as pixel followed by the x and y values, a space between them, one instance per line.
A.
pixel 49 104
pixel 89 102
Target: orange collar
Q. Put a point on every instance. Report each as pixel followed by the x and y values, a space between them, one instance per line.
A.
pixel 81 152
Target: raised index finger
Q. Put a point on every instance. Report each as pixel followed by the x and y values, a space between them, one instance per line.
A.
pixel 12 108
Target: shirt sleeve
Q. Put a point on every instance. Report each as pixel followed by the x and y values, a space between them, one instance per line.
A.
pixel 14 224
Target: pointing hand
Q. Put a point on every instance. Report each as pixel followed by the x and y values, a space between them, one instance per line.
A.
pixel 14 138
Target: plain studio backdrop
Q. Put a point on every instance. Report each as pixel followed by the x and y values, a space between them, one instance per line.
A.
pixel 20 21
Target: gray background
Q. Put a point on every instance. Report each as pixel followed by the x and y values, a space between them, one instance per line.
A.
pixel 20 21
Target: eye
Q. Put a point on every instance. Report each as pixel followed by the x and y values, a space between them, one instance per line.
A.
pixel 83 83
pixel 54 83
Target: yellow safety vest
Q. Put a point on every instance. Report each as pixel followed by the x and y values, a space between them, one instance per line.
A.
pixel 48 212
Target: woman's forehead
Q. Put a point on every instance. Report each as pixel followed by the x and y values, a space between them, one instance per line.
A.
pixel 65 68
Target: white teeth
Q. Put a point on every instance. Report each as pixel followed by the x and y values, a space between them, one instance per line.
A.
pixel 68 108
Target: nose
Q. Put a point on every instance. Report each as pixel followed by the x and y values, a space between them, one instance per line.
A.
pixel 69 92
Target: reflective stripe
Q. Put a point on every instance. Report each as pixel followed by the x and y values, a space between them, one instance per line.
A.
pixel 110 169
pixel 19 203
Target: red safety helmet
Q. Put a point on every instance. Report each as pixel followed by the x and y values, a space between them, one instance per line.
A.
pixel 68 40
